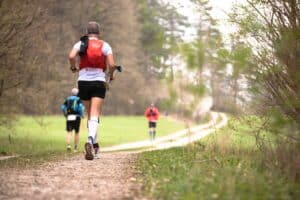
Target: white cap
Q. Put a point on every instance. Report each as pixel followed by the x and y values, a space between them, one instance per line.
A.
pixel 74 91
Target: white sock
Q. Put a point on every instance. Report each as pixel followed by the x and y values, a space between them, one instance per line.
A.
pixel 93 127
pixel 96 137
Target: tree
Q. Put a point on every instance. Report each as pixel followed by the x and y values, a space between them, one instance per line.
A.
pixel 272 27
pixel 15 26
pixel 162 28
pixel 205 56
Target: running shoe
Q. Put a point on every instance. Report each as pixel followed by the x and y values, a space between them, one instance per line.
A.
pixel 88 151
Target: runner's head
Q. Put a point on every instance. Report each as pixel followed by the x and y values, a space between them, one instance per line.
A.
pixel 152 104
pixel 93 28
pixel 74 91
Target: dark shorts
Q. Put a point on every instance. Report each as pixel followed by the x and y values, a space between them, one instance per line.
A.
pixel 73 125
pixel 89 89
pixel 152 124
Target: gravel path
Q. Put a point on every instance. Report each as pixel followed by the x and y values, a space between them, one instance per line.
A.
pixel 110 177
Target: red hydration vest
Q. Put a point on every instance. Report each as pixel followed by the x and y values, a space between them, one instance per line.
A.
pixel 94 57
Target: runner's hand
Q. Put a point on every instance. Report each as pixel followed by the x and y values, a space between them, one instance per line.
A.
pixel 119 68
pixel 106 86
pixel 111 77
pixel 74 69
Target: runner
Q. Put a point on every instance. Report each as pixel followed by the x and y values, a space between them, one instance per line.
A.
pixel 152 115
pixel 73 110
pixel 95 56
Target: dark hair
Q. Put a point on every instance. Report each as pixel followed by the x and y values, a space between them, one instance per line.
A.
pixel 93 28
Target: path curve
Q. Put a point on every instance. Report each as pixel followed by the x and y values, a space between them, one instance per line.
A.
pixel 179 138
pixel 194 134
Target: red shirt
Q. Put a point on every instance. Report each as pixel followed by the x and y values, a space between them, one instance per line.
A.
pixel 152 114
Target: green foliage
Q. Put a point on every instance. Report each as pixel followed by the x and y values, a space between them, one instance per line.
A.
pixel 166 104
pixel 152 34
pixel 280 125
pixel 194 54
pixel 271 28
pixel 197 90
pixel 225 165
pixel 248 20
pixel 169 103
pixel 223 54
pixel 188 51
pixel 241 57
pixel 161 30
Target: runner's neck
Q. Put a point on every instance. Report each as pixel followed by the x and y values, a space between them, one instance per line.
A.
pixel 93 36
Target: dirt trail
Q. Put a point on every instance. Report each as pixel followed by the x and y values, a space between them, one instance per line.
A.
pixel 110 177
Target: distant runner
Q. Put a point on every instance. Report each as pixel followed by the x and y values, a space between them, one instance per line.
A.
pixel 73 110
pixel 152 115
pixel 95 56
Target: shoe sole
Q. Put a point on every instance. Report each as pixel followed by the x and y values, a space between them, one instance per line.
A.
pixel 88 151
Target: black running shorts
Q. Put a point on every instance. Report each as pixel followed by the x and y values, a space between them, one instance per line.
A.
pixel 152 124
pixel 89 89
pixel 74 125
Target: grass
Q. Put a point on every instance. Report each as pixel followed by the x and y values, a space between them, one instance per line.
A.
pixel 39 138
pixel 225 165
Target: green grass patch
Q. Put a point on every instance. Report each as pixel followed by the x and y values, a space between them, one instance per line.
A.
pixel 42 137
pixel 225 165
pixel 123 129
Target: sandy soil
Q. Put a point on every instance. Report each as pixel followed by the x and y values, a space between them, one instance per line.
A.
pixel 109 177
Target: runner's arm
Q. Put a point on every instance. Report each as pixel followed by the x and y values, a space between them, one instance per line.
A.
pixel 111 65
pixel 158 114
pixel 147 113
pixel 72 59
pixel 107 50
pixel 64 108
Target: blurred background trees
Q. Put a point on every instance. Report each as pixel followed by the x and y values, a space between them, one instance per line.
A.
pixel 147 38
pixel 36 39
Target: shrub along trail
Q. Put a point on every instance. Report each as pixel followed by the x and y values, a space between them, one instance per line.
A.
pixel 112 176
